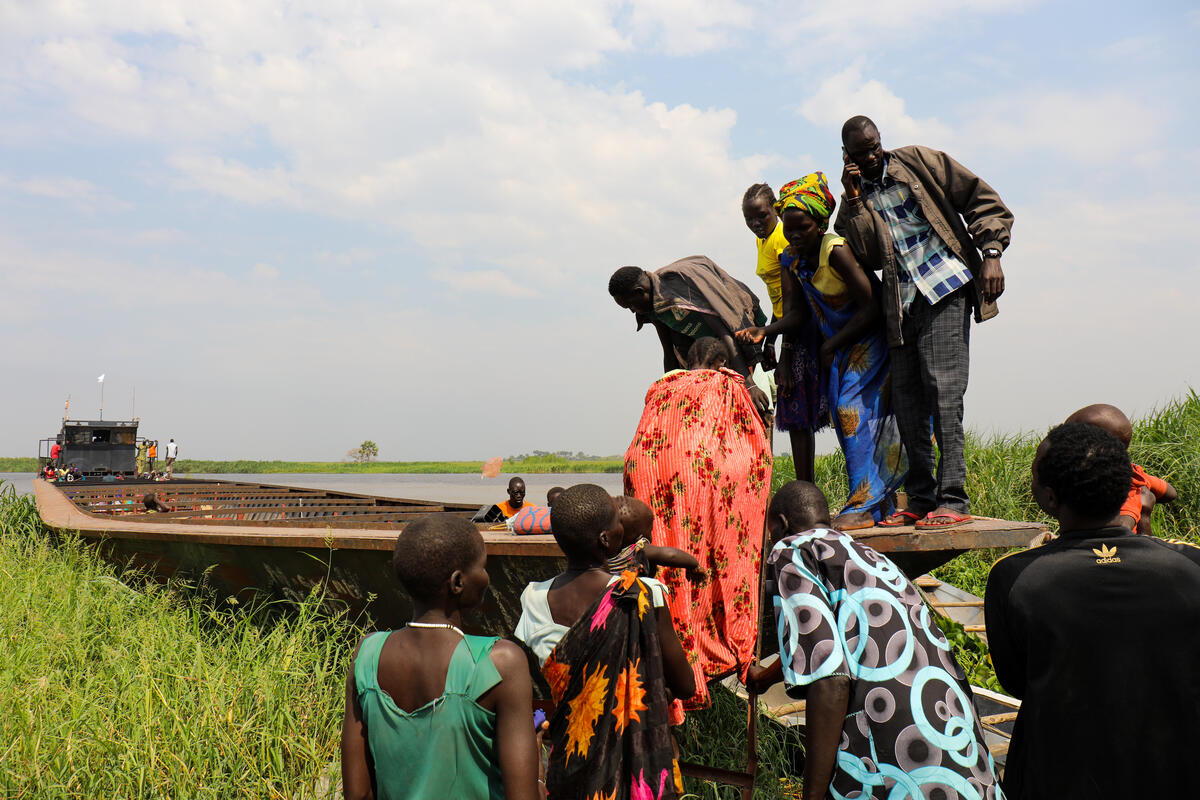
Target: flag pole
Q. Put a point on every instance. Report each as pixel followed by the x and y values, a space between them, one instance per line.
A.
pixel 100 380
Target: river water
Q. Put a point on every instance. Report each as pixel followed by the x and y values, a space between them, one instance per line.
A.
pixel 450 488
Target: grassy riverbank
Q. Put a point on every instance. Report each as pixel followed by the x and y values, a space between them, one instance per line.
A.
pixel 111 691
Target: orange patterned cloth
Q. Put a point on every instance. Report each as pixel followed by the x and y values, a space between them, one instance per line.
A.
pixel 701 461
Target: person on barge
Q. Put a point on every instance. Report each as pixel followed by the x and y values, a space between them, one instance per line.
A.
pixel 924 220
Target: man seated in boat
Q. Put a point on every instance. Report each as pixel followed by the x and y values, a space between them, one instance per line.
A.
pixel 516 498
pixel 155 504
pixel 889 710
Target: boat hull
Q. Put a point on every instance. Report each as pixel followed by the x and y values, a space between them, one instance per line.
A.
pixel 285 544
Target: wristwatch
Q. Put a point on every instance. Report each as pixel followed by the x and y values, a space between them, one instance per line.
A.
pixel 991 252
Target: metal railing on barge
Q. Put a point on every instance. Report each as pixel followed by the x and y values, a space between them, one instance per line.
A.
pixel 206 503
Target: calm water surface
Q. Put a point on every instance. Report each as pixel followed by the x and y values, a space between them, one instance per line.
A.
pixel 452 488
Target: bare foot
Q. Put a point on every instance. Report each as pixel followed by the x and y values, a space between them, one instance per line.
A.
pixel 856 520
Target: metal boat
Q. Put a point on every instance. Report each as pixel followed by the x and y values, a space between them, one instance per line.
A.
pixel 287 542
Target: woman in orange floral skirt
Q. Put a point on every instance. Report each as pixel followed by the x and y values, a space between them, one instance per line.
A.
pixel 702 462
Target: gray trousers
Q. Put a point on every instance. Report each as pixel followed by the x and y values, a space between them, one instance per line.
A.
pixel 929 378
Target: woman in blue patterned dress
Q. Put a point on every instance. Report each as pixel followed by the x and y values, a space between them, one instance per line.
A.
pixel 821 273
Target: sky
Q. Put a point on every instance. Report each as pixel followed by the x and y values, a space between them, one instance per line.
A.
pixel 287 227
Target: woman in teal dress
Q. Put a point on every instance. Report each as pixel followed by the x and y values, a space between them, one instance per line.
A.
pixel 818 267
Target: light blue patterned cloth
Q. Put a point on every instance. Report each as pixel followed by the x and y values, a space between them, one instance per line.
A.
pixel 911 731
pixel 926 263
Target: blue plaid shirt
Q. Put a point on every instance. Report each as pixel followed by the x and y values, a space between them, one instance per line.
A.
pixel 927 264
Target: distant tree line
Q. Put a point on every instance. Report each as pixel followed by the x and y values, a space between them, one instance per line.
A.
pixel 565 455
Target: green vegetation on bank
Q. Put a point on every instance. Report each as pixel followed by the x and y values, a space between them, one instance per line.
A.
pixel 108 691
pixel 112 691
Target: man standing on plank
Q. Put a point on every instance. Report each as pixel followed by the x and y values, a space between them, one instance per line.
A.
pixel 924 219
pixel 689 299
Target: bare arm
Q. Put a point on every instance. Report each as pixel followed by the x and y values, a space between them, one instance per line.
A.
pixel 670 557
pixel 678 673
pixel 795 312
pixel 358 773
pixel 828 701
pixel 760 678
pixel 868 314
pixel 516 740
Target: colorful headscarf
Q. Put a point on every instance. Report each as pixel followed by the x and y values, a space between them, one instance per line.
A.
pixel 810 194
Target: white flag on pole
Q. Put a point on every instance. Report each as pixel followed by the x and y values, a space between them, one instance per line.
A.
pixel 100 379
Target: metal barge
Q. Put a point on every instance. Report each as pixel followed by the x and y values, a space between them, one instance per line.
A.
pixel 284 542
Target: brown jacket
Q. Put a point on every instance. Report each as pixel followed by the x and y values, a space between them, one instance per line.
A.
pixel 948 194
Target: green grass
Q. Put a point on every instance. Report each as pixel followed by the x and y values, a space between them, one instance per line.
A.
pixel 108 691
pixel 112 691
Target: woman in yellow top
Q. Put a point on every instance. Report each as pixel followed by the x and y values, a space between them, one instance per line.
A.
pixel 802 407
pixel 821 273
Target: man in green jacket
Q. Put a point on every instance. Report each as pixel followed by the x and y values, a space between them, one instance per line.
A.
pixel 937 231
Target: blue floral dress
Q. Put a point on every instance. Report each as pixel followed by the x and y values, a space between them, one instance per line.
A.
pixel 859 388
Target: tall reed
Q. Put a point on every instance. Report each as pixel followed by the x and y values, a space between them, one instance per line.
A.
pixel 112 691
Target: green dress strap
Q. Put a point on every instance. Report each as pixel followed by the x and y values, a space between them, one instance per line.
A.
pixel 366 664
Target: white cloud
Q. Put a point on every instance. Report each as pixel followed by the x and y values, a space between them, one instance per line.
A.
pixel 849 93
pixel 859 25
pixel 83 194
pixel 453 123
pixel 490 281
pixel 688 27
pixel 264 271
pixel 346 258
pixel 1097 309
pixel 1086 127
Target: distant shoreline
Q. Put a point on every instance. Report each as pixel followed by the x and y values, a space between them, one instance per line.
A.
pixel 532 466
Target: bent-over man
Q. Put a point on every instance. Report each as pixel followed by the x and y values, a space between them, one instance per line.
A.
pixel 689 299
pixel 925 220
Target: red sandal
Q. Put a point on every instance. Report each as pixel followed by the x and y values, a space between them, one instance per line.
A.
pixel 898 519
pixel 931 521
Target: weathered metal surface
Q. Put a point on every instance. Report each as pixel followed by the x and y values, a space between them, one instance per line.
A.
pixel 298 539
pixel 278 559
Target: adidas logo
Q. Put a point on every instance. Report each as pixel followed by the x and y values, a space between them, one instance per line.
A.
pixel 1106 555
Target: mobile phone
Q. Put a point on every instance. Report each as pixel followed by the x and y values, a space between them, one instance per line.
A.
pixel 845 155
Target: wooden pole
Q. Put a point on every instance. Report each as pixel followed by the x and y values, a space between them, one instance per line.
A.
pixel 752 697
